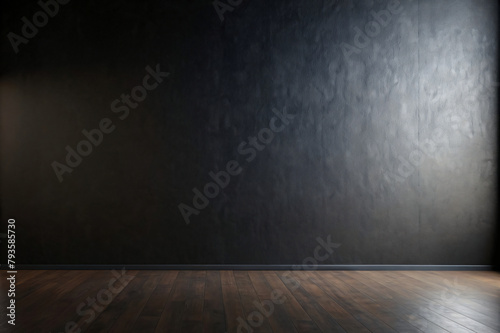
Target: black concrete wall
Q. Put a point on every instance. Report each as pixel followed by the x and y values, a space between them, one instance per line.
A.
pixel 389 145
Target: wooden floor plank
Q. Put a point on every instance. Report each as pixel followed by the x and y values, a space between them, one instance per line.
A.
pixel 462 294
pixel 341 315
pixel 80 289
pixel 390 301
pixel 346 299
pixel 373 305
pixel 192 320
pixel 171 319
pixel 136 305
pixel 232 301
pixel 302 321
pixel 325 321
pixel 254 318
pixel 214 320
pixel 159 297
pixel 82 306
pixel 450 307
pixel 272 304
pixel 421 305
pixel 121 303
pixel 222 301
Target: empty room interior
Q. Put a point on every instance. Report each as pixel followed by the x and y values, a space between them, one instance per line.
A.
pixel 240 166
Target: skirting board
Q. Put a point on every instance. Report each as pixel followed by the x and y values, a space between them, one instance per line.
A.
pixel 263 267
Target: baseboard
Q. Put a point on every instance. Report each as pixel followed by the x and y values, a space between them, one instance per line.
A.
pixel 263 267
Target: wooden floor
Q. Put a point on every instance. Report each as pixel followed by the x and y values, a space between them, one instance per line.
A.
pixel 254 301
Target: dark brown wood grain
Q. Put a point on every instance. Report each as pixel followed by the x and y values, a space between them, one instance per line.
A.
pixel 221 301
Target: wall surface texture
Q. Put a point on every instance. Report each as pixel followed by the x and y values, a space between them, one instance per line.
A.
pixel 372 123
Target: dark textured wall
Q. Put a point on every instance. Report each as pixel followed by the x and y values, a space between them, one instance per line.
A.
pixel 389 146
